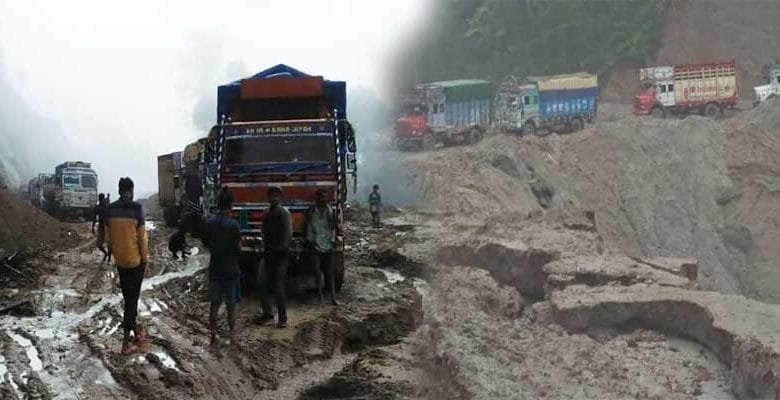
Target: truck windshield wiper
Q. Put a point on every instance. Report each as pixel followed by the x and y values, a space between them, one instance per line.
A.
pixel 308 166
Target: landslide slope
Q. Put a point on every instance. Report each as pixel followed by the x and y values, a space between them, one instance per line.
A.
pixel 681 188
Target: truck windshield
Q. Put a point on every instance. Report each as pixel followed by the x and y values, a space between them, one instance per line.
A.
pixel 70 179
pixel 88 181
pixel 280 149
pixel 414 109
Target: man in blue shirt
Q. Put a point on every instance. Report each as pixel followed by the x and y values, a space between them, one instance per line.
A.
pixel 223 239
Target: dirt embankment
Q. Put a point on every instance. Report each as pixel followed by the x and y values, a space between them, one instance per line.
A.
pixel 680 188
pixel 524 230
pixel 24 227
pixel 697 31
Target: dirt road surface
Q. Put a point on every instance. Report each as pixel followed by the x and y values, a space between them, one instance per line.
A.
pixel 632 260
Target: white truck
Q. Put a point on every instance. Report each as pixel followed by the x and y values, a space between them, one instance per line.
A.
pixel 75 190
pixel 771 86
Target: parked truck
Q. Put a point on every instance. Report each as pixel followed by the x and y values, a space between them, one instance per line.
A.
pixel 447 112
pixel 537 105
pixel 280 127
pixel 706 89
pixel 72 191
pixel 170 185
pixel 771 86
pixel 39 188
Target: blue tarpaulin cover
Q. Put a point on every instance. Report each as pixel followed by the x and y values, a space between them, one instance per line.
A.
pixel 335 92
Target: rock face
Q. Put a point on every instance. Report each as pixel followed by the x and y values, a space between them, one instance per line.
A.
pixel 742 333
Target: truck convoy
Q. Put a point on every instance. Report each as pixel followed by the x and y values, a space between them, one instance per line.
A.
pixel 771 86
pixel 706 89
pixel 280 127
pixel 562 103
pixel 70 192
pixel 448 112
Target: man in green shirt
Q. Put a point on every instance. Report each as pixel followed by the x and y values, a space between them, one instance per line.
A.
pixel 321 235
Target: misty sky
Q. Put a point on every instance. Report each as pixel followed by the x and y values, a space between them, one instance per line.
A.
pixel 122 78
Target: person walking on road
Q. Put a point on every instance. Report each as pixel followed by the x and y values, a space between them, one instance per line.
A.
pixel 126 238
pixel 99 218
pixel 320 236
pixel 374 204
pixel 277 235
pixel 222 237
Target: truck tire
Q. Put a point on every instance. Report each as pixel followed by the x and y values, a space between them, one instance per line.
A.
pixel 712 110
pixel 338 270
pixel 577 125
pixel 474 136
pixel 170 216
pixel 428 142
pixel 658 112
pixel 529 128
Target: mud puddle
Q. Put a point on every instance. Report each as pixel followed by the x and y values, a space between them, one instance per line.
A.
pixel 38 348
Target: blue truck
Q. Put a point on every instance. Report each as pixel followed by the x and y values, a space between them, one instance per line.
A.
pixel 541 105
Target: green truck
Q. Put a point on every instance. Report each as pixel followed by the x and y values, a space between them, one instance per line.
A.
pixel 446 112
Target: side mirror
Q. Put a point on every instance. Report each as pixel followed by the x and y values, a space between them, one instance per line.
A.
pixel 351 162
pixel 351 144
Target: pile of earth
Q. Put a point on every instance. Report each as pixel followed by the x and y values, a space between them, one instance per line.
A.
pixel 677 188
pixel 26 228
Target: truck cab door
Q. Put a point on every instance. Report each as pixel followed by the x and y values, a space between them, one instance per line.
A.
pixel 775 82
pixel 665 93
pixel 437 115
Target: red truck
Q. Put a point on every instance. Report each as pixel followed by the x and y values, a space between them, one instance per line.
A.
pixel 706 89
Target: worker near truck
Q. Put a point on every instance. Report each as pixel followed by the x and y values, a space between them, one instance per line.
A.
pixel 126 238
pixel 222 237
pixel 99 218
pixel 277 236
pixel 374 204
pixel 320 237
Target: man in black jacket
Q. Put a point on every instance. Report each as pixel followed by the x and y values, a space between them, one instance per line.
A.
pixel 277 235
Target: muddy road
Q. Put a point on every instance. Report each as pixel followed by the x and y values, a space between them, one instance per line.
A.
pixel 68 347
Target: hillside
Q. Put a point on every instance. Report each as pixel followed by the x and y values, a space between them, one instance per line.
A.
pixel 493 39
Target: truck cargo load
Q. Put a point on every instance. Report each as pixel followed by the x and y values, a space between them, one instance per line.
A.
pixel 447 112
pixel 706 89
pixel 562 103
pixel 169 185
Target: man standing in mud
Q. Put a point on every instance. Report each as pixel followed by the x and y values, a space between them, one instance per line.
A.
pixel 374 204
pixel 126 238
pixel 222 236
pixel 99 218
pixel 277 235
pixel 320 236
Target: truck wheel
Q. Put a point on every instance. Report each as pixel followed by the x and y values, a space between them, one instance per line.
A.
pixel 474 136
pixel 657 112
pixel 338 270
pixel 170 216
pixel 529 128
pixel 712 110
pixel 428 142
pixel 577 125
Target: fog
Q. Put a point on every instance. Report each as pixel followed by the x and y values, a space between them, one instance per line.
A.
pixel 118 84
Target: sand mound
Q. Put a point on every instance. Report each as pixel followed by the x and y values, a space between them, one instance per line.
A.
pixel 24 227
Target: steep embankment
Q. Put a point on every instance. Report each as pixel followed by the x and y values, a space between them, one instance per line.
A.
pixel 692 188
